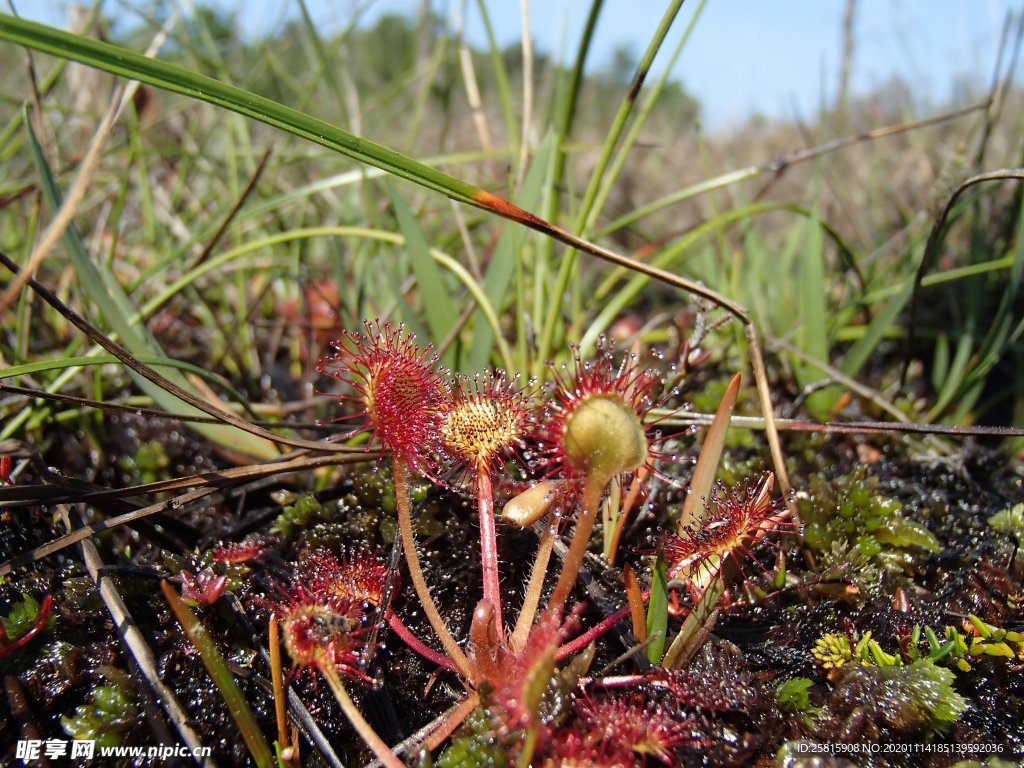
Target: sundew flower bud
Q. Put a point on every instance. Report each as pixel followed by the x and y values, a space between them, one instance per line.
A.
pixel 536 501
pixel 595 425
pixel 485 421
pixel 398 390
pixel 603 435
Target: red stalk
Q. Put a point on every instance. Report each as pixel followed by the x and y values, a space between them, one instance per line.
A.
pixel 581 642
pixel 424 650
pixel 412 559
pixel 489 547
pixel 592 490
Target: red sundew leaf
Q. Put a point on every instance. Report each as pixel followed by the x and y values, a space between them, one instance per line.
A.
pixel 239 552
pixel 486 420
pixel 203 588
pixel 397 389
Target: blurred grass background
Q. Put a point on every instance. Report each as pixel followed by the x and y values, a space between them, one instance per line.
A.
pixel 243 249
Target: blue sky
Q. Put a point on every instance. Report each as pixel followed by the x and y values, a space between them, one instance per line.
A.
pixel 775 57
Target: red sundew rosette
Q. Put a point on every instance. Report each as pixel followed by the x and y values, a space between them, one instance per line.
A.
pixel 631 727
pixel 356 576
pixel 397 390
pixel 324 633
pixel 736 519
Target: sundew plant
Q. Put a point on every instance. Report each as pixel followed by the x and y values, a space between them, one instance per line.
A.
pixel 371 397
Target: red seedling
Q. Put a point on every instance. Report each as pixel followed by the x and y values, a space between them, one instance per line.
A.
pixel 240 552
pixel 358 577
pixel 623 731
pixel 203 588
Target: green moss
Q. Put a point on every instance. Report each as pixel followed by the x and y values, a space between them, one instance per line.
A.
pixel 1009 521
pixel 22 617
pixel 793 696
pixel 148 464
pixel 930 690
pixel 109 715
pixel 850 512
pixel 303 513
pixel 475 746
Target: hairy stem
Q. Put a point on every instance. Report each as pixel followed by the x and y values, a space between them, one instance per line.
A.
pixel 489 547
pixel 452 720
pixel 451 647
pixel 592 490
pixel 484 641
pixel 398 627
pixel 534 587
pixel 581 642
pixel 376 744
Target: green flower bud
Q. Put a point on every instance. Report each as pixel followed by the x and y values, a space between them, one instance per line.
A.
pixel 604 437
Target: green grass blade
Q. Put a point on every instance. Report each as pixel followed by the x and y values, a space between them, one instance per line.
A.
pixel 160 74
pixel 622 114
pixel 498 281
pixel 613 303
pixel 437 300
pixel 319 57
pixel 609 177
pixel 566 100
pixel 219 672
pixel 695 627
pixel 501 81
pixel 880 325
pixel 958 369
pixel 566 269
pixel 814 325
pixel 30 369
pixel 657 612
pixel 103 290
pixel 1000 328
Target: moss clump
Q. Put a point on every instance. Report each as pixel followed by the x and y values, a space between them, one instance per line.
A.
pixel 874 702
pixel 849 514
pixel 22 617
pixel 793 696
pixel 303 513
pixel 148 464
pixel 1010 522
pixel 109 715
pixel 475 746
